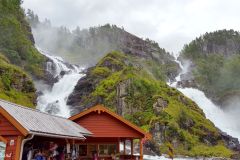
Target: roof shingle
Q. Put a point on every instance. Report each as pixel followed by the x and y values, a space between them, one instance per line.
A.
pixel 40 123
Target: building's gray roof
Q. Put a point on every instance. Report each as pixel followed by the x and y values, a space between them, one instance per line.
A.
pixel 40 123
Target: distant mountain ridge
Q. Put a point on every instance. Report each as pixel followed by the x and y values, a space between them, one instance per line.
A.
pixel 87 46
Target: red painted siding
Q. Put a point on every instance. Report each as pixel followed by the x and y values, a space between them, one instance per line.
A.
pixel 6 128
pixel 10 152
pixel 104 125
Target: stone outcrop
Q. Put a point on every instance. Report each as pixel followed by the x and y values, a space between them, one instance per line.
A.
pixel 230 141
pixel 121 96
pixel 159 105
pixel 83 90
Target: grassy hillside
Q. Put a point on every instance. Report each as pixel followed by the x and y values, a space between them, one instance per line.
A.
pixel 18 56
pixel 216 59
pixel 16 40
pixel 15 85
pixel 140 96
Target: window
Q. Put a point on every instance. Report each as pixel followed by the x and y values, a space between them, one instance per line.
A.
pixel 112 149
pixel 107 149
pixel 82 150
pixel 103 149
pixel 92 148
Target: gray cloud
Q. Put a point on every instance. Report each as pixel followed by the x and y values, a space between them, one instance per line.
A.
pixel 172 23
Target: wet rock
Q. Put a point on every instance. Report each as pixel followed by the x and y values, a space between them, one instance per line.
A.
pixel 83 88
pixel 183 99
pixel 50 79
pixel 209 139
pixel 158 132
pixel 151 148
pixel 230 142
pixel 53 108
pixel 39 93
pixel 62 73
pixel 187 123
pixel 159 105
pixel 187 84
pixel 121 95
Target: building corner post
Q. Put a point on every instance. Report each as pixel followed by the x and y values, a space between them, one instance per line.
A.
pixel 18 147
pixel 141 148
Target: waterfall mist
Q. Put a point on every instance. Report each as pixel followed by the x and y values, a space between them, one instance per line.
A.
pixel 84 47
pixel 53 99
pixel 225 119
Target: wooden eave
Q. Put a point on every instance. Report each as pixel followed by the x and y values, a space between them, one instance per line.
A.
pixel 14 122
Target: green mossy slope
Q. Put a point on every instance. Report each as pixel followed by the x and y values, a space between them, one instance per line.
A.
pixel 150 103
pixel 15 85
pixel 18 56
pixel 16 40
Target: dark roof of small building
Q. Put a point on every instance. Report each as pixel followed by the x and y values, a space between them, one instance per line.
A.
pixel 32 121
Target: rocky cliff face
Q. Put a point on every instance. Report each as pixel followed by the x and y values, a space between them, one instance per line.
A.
pixel 86 47
pixel 214 58
pixel 120 82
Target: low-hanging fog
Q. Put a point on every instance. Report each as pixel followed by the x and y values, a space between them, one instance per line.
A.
pixel 170 23
pixel 83 47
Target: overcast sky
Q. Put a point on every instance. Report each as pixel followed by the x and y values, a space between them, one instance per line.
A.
pixel 172 23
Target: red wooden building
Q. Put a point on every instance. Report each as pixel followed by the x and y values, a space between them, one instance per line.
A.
pixel 93 133
pixel 109 131
pixel 24 130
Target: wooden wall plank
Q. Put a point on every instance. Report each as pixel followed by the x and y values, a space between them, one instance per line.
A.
pixel 104 125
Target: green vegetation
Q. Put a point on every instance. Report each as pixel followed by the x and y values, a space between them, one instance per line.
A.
pixel 15 85
pixel 88 46
pixel 17 49
pixel 183 121
pixel 217 60
pixel 16 41
pixel 207 44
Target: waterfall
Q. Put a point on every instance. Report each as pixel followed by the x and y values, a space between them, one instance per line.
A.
pixel 222 119
pixel 54 99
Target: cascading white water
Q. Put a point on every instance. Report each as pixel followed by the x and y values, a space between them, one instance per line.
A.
pixel 224 120
pixel 54 100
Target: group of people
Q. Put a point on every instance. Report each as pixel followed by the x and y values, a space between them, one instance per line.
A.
pixel 49 151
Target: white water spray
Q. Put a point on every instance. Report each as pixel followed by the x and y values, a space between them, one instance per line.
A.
pixel 54 100
pixel 224 120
